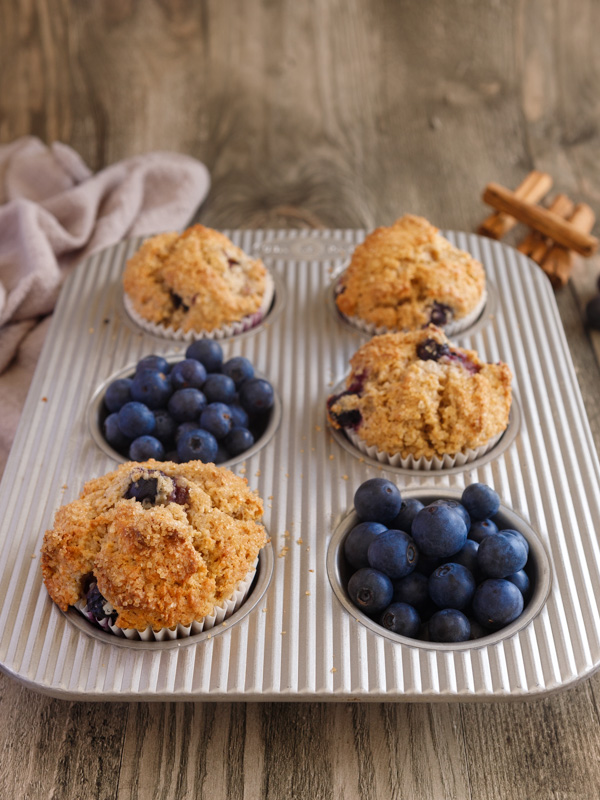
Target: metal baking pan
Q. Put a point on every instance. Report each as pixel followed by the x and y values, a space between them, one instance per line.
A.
pixel 298 640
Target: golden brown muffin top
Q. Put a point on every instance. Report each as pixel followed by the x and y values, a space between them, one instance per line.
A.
pixel 163 560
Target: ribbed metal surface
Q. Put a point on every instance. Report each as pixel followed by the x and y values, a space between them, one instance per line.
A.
pixel 300 643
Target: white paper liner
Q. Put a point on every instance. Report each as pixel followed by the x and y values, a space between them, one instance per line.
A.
pixel 451 328
pixel 424 464
pixel 219 615
pixel 224 332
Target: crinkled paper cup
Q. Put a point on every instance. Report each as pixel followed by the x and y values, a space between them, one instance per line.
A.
pixel 224 332
pixel 450 329
pixel 424 464
pixel 219 615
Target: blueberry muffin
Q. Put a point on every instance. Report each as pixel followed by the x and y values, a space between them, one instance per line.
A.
pixel 407 276
pixel 197 281
pixel 154 544
pixel 417 395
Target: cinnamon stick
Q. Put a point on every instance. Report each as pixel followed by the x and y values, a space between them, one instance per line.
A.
pixel 540 219
pixel 536 245
pixel 558 261
pixel 535 186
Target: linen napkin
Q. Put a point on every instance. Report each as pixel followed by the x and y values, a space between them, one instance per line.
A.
pixel 53 213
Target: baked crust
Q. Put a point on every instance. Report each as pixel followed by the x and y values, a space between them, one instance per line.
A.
pixel 402 403
pixel 399 272
pixel 196 281
pixel 158 563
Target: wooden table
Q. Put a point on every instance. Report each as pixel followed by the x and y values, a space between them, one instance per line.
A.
pixel 336 115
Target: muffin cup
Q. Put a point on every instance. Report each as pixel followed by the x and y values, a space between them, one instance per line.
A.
pixel 224 332
pixel 220 613
pixel 450 329
pixel 425 464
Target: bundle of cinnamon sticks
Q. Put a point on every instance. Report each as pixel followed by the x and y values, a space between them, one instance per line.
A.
pixel 557 232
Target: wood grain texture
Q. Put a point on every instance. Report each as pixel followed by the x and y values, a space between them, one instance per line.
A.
pixel 335 114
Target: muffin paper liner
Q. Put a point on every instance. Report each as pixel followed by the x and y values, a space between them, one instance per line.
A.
pixel 423 464
pixel 451 328
pixel 224 332
pixel 220 614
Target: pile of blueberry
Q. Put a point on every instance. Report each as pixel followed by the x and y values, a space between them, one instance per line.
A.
pixel 443 572
pixel 200 408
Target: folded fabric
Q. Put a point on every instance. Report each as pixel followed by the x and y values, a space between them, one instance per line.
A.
pixel 53 212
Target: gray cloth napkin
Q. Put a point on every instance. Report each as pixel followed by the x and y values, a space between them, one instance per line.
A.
pixel 53 212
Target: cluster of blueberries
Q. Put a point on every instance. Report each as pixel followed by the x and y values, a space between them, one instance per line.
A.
pixel 200 408
pixel 443 572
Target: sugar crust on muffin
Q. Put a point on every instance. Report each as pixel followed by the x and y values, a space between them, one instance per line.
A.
pixel 194 281
pixel 419 395
pixel 408 275
pixel 165 560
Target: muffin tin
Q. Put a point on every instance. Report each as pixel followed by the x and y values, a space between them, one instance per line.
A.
pixel 294 638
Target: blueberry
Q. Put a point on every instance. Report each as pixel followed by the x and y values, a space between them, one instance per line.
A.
pixel 409 509
pixel 501 555
pixel 412 589
pixel 151 387
pixel 370 591
pixel 165 426
pixel 184 428
pixel 142 489
pixel 197 445
pixel 480 500
pixel 440 313
pixel 136 419
pixel 449 625
pixel 592 312
pixel 497 603
pixel 188 373
pixel 238 440
pixel 98 606
pixel 477 630
pixel 402 619
pixel 521 581
pixel 207 352
pixel 430 350
pixel 393 553
pixel 256 395
pixel 467 556
pixel 113 434
pixel 216 419
pixel 427 564
pixel 145 447
pixel 377 500
pixel 239 417
pixel 451 586
pixel 481 529
pixel 219 388
pixel 458 507
pixel 439 531
pixel 186 405
pixel 356 543
pixel 117 394
pixel 239 369
pixel 519 536
pixel 157 363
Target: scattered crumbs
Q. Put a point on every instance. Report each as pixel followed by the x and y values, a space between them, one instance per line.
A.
pixel 44 399
pixel 242 470
pixel 331 440
pixel 264 610
pixel 270 497
pixel 224 623
pixel 286 535
pixel 283 552
pixel 34 555
pixel 310 570
pixel 64 486
pixel 344 477
pixel 333 669
pixel 331 456
pixel 380 469
pixel 269 540
pixel 283 633
pixel 361 460
pixel 269 505
pixel 210 635
pixel 287 475
pixel 257 473
pixel 318 428
pixel 307 593
pixel 312 449
pixel 91 330
pixel 308 550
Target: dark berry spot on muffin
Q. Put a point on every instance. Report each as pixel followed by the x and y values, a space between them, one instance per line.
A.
pixel 440 314
pixel 144 489
pixel 180 495
pixel 178 301
pixel 98 606
pixel 430 350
